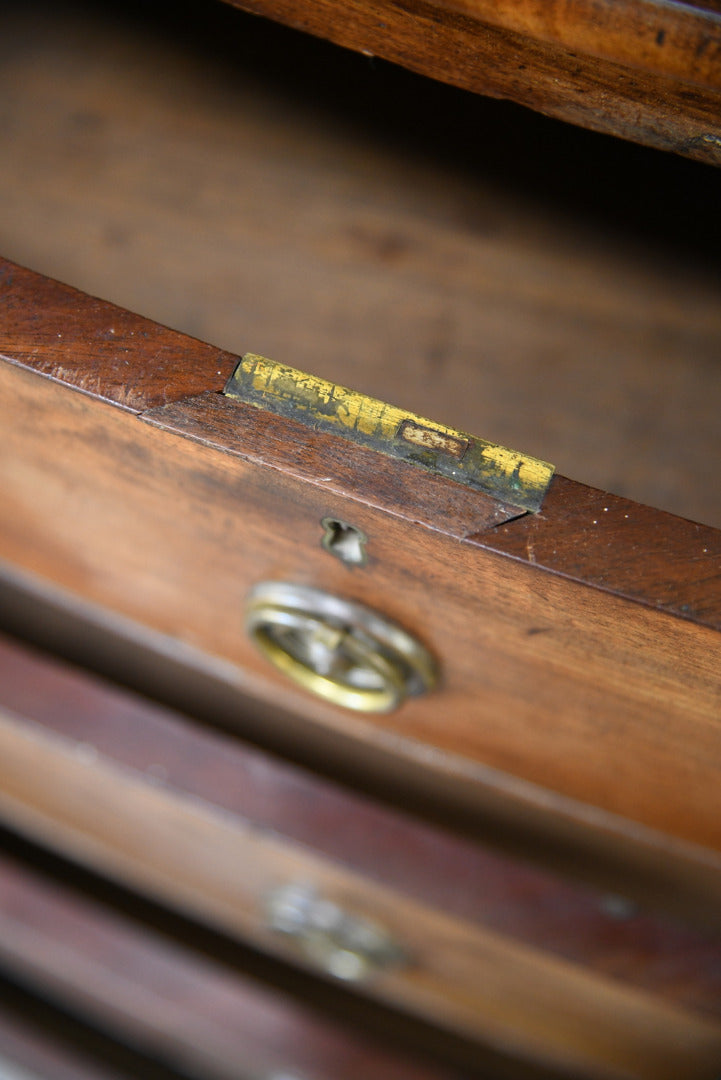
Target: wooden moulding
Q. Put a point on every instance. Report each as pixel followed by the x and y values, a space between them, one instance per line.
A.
pixel 492 949
pixel 645 70
pixel 579 648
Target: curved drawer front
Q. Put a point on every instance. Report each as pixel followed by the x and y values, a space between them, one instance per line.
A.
pixel 477 943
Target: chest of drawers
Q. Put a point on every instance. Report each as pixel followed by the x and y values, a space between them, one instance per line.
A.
pixel 523 858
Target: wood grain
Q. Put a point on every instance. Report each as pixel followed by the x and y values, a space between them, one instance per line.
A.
pixel 89 344
pixel 589 536
pixel 682 40
pixel 580 691
pixel 615 544
pixel 489 807
pixel 186 1010
pixel 397 235
pixel 462 878
pixel 217 867
pixel 464 49
pixel 612 543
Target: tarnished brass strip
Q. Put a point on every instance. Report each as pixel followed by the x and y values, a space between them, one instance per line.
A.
pixel 506 475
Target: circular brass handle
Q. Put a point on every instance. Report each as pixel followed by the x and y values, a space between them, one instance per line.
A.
pixel 338 649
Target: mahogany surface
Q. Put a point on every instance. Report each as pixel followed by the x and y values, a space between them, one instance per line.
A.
pixel 166 1000
pixel 502 272
pixel 456 875
pixel 115 356
pixel 519 961
pixel 606 700
pixel 579 648
pixel 645 70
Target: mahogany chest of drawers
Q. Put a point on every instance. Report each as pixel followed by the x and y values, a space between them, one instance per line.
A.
pixel 335 739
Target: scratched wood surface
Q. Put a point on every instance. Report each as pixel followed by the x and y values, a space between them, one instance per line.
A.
pixel 205 858
pixel 647 71
pixel 120 358
pixel 549 289
pixel 554 679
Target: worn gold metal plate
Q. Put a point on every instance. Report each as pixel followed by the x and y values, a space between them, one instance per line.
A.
pixel 506 475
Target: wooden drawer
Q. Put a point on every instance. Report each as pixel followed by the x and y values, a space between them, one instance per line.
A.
pixel 158 1006
pixel 482 944
pixel 646 71
pixel 578 648
pixel 529 850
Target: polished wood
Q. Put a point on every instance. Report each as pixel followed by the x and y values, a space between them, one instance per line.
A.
pixel 89 345
pixel 622 546
pixel 594 929
pixel 681 39
pixel 559 681
pixel 647 71
pixel 162 998
pixel 472 261
pixel 501 813
pixel 146 825
pixel 114 356
pixel 589 536
pixel 589 689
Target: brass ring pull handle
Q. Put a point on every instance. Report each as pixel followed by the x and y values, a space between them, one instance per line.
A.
pixel 337 649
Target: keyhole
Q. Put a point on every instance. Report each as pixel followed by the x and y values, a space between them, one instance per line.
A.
pixel 344 541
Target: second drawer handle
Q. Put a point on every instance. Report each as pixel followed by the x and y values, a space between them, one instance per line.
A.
pixel 343 944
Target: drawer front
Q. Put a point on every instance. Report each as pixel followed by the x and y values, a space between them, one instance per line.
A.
pixel 578 649
pixel 193 1014
pixel 478 943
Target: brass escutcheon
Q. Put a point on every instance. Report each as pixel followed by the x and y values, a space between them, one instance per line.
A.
pixel 338 649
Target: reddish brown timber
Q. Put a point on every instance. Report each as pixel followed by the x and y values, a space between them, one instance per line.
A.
pixel 94 346
pixel 599 931
pixel 584 534
pixel 166 1001
pixel 494 809
pixel 680 39
pixel 180 833
pixel 645 70
pixel 551 674
pixel 100 348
